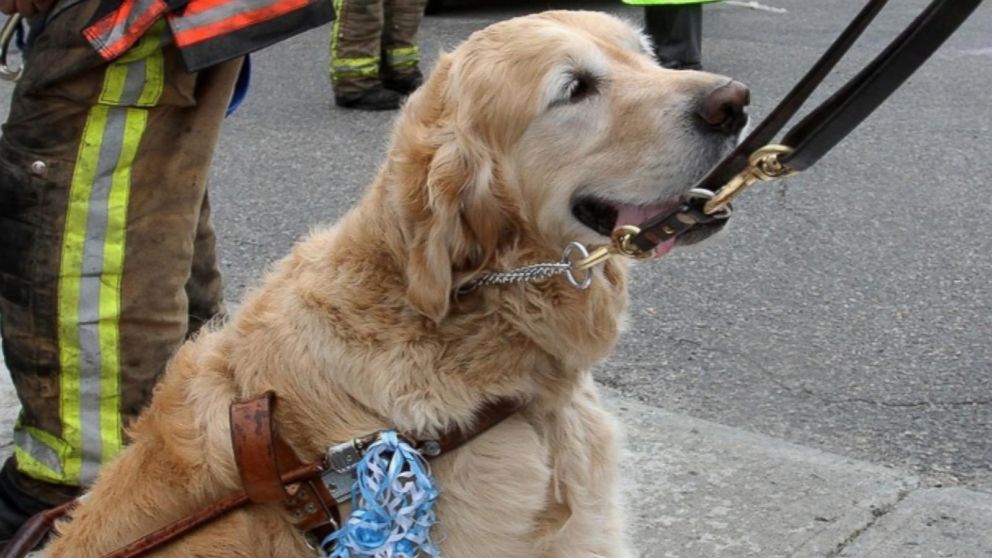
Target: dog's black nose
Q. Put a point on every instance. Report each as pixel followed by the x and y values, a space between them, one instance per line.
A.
pixel 722 110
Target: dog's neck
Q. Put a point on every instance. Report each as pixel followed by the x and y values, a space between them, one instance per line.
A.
pixel 556 330
pixel 382 358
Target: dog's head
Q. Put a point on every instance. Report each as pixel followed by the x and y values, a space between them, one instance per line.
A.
pixel 546 129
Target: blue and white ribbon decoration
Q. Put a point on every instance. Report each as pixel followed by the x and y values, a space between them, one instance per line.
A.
pixel 392 505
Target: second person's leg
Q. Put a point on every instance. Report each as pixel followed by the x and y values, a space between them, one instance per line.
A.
pixel 400 55
pixel 356 42
pixel 676 31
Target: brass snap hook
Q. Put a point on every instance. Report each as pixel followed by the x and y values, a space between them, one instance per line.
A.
pixel 622 245
pixel 763 165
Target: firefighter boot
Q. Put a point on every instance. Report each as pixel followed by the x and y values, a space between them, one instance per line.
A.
pixel 404 83
pixel 374 98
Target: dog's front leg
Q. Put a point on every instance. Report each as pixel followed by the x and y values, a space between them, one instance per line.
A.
pixel 586 446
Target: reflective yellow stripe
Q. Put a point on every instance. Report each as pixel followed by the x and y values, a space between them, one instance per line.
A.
pixel 356 64
pixel 154 80
pixel 154 65
pixel 348 67
pixel 345 67
pixel 73 240
pixel 147 47
pixel 335 30
pixel 27 462
pixel 39 452
pixel 113 84
pixel 144 65
pixel 403 57
pixel 92 265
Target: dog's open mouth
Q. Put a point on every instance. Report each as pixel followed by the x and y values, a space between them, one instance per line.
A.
pixel 604 217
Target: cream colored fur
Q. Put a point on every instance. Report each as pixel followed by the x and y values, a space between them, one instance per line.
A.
pixel 357 329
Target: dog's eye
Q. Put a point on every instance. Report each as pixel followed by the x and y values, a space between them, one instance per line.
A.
pixel 581 88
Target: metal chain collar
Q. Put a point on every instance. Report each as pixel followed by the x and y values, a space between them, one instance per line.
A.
pixel 528 273
pixel 538 272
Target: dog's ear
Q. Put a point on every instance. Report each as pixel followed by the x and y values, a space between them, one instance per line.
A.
pixel 458 207
pixel 461 224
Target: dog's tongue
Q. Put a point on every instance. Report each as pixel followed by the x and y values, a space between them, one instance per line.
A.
pixel 637 214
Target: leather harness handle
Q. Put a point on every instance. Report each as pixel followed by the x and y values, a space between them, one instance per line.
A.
pixel 261 456
pixel 253 438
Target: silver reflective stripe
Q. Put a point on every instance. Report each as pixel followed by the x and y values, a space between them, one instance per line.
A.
pixel 134 84
pixel 38 450
pixel 213 15
pixel 89 293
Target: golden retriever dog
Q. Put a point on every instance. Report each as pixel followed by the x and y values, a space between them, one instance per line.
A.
pixel 535 132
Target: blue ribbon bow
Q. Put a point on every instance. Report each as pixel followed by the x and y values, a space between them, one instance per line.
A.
pixel 392 505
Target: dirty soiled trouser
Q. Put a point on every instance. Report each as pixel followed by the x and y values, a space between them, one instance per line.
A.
pixel 373 40
pixel 106 250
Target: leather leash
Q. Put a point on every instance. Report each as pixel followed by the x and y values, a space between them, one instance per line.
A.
pixel 271 472
pixel 33 532
pixel 756 159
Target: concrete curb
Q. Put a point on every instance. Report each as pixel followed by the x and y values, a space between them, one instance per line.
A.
pixel 699 489
pixel 931 523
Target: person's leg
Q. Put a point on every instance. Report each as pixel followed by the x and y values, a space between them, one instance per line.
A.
pixel 400 55
pixel 204 289
pixel 356 41
pixel 102 177
pixel 676 31
pixel 38 152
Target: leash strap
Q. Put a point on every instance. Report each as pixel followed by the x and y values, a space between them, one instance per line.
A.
pixel 754 160
pixel 766 131
pixel 204 516
pixel 34 530
pixel 833 120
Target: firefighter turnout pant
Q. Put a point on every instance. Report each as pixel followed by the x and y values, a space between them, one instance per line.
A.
pixel 106 249
pixel 372 40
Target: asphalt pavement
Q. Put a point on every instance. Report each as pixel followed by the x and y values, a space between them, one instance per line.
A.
pixel 839 331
